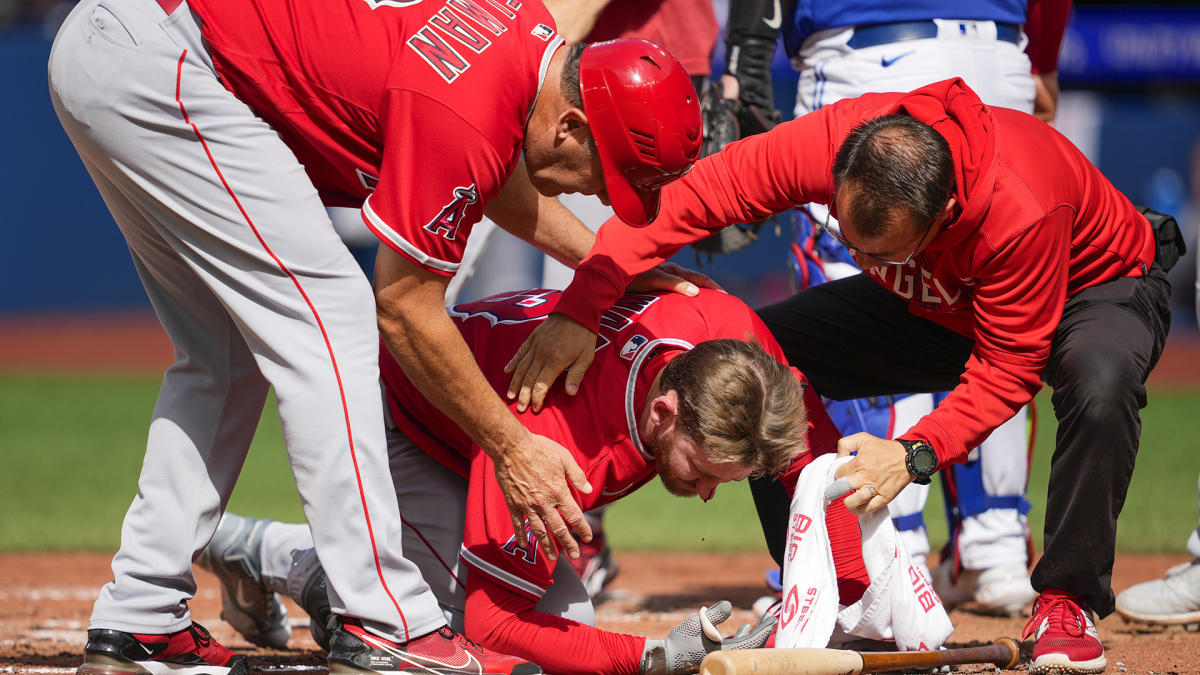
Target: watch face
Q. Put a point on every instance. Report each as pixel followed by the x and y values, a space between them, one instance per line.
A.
pixel 924 459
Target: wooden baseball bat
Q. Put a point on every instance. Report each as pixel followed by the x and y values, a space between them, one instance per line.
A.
pixel 1003 653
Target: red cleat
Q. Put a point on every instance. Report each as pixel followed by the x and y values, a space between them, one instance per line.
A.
pixel 1066 636
pixel 354 651
pixel 191 651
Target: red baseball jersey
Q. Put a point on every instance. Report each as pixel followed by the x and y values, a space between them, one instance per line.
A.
pixel 1036 223
pixel 414 111
pixel 639 335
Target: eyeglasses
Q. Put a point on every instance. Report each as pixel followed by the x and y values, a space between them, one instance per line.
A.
pixel 837 236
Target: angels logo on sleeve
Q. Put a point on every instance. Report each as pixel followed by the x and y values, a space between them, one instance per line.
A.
pixel 527 553
pixel 451 216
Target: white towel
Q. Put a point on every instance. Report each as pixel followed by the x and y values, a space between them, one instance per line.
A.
pixel 899 604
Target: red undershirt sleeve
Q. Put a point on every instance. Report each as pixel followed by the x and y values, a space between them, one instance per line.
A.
pixel 505 621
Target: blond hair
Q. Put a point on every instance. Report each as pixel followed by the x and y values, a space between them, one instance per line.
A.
pixel 739 404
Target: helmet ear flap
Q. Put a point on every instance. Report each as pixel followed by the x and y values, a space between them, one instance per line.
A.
pixel 644 115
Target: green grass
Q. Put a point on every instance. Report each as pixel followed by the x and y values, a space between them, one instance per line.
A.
pixel 71 448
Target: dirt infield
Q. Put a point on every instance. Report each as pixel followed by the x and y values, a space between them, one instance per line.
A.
pixel 45 601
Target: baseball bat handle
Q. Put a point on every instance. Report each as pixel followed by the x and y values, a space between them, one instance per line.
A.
pixel 1003 653
pixel 793 661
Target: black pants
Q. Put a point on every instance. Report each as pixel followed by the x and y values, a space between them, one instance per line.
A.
pixel 852 338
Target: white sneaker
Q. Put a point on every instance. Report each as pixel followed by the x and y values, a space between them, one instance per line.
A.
pixel 953 592
pixel 1172 600
pixel 233 555
pixel 1003 590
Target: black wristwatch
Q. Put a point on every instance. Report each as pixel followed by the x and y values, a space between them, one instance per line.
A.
pixel 921 460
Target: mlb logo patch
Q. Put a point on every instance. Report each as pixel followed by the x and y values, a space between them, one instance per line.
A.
pixel 632 346
pixel 542 32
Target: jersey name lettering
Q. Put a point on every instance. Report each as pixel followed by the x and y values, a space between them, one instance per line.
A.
pixel 460 30
pixel 430 43
pixel 625 310
pixel 480 15
pixel 447 222
pixel 447 62
pixel 505 8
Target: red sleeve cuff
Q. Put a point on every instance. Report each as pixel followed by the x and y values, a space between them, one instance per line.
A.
pixel 590 294
pixel 945 444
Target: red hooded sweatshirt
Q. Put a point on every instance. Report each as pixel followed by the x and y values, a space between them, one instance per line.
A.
pixel 1036 224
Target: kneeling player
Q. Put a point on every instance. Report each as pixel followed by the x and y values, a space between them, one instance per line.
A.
pixel 691 389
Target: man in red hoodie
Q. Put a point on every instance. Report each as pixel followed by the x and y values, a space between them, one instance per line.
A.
pixel 997 257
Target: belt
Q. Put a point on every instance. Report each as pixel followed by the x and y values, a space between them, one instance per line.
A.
pixel 884 33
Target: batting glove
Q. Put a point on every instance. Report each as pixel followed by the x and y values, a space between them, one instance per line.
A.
pixel 688 644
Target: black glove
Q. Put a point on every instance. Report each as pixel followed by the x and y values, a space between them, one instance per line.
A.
pixel 750 63
pixel 721 127
pixel 753 29
pixel 688 644
pixel 750 47
pixel 720 116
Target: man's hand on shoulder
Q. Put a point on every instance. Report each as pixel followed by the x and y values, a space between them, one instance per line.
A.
pixel 671 277
pixel 560 342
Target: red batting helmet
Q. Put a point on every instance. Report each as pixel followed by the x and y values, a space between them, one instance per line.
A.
pixel 645 117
